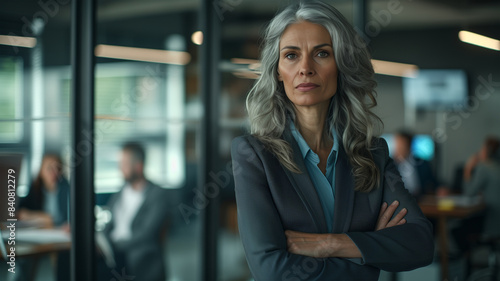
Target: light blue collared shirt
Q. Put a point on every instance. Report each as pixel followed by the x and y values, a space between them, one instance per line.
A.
pixel 324 183
pixel 51 205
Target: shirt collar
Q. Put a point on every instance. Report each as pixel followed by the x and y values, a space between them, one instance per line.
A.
pixel 304 147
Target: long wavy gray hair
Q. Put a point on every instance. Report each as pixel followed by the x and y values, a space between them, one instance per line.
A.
pixel 350 108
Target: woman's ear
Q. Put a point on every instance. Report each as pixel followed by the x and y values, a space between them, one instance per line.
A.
pixel 279 76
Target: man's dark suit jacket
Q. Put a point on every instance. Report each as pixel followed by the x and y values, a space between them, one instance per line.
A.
pixel 272 199
pixel 144 251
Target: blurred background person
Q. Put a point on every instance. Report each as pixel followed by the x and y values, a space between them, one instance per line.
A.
pixel 46 206
pixel 138 223
pixel 481 176
pixel 48 198
pixel 416 173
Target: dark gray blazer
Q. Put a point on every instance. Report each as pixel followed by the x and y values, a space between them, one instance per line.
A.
pixel 144 251
pixel 271 199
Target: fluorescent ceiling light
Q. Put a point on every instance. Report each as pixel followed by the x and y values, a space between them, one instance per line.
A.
pixel 246 74
pixel 18 41
pixel 244 61
pixel 251 71
pixel 142 54
pixel 197 37
pixel 479 40
pixel 394 68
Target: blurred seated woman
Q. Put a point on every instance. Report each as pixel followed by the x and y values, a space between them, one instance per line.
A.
pixel 46 206
pixel 48 198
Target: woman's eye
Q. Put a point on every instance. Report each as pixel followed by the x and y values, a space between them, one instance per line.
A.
pixel 323 54
pixel 290 56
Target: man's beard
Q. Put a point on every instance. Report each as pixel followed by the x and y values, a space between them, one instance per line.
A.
pixel 132 178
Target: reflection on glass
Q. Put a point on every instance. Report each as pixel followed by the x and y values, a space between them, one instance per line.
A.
pixel 147 75
pixel 34 42
pixel 11 79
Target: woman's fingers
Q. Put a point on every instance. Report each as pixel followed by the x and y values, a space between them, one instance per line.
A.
pixel 382 210
pixel 386 214
pixel 398 218
pixel 386 218
pixel 380 222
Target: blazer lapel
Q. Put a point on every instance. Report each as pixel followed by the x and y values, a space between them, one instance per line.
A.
pixel 344 193
pixel 304 186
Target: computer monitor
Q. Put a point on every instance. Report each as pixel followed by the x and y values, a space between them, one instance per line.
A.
pixel 436 89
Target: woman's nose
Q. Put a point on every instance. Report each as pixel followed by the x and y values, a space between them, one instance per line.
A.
pixel 306 67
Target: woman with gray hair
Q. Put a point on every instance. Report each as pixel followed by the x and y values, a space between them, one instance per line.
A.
pixel 318 196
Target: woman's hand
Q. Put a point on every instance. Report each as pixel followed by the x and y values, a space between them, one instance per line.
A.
pixel 43 219
pixel 321 245
pixel 386 213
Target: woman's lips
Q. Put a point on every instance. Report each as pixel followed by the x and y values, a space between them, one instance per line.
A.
pixel 304 87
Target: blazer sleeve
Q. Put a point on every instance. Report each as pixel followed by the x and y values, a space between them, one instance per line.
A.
pixel 262 232
pixel 403 247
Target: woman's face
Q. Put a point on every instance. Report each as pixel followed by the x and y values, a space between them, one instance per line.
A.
pixel 50 172
pixel 307 65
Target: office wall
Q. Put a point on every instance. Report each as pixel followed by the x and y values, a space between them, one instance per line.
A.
pixel 462 131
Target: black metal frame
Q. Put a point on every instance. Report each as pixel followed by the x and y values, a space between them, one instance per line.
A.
pixel 359 15
pixel 210 87
pixel 82 166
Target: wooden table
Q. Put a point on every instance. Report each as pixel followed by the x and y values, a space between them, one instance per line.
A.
pixel 431 209
pixel 24 249
pixel 35 249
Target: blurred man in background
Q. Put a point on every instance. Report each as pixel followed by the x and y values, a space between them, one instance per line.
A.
pixel 416 173
pixel 139 215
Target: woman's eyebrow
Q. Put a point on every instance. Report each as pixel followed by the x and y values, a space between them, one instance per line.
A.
pixel 322 45
pixel 290 47
pixel 297 48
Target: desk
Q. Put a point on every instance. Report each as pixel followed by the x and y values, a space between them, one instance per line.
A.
pixel 25 249
pixel 33 243
pixel 430 208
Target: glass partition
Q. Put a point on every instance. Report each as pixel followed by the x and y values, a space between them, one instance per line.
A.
pixel 35 137
pixel 147 96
